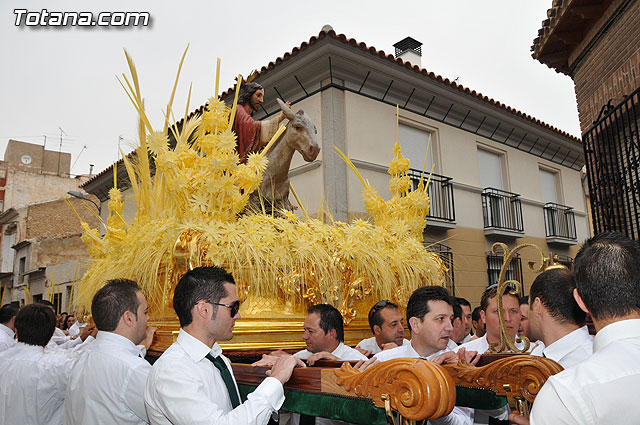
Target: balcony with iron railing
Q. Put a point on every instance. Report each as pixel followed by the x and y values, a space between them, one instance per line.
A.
pixel 514 269
pixel 440 190
pixel 560 224
pixel 502 213
pixel 446 255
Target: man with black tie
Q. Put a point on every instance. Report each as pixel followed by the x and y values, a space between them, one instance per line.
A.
pixel 192 382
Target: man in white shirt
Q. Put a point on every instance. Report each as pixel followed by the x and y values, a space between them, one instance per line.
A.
pixel 458 331
pixel 525 327
pixel 385 321
pixel 557 320
pixel 489 315
pixel 192 382
pixel 324 336
pixel 604 388
pixel 33 382
pixel 466 318
pixel 77 342
pixel 108 380
pixel 478 323
pixel 7 326
pixel 429 317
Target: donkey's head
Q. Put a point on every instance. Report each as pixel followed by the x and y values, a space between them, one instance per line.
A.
pixel 302 134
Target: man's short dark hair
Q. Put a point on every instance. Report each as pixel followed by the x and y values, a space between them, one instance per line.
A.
pixel 330 318
pixel 555 289
pixel 46 302
pixel 475 314
pixel 201 283
pixel 463 301
pixel 490 293
pixel 246 91
pixel 7 312
pixel 457 308
pixel 524 300
pixel 375 318
pixel 112 300
pixel 607 271
pixel 418 305
pixel 35 324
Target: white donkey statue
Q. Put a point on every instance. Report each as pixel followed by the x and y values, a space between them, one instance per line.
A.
pixel 301 136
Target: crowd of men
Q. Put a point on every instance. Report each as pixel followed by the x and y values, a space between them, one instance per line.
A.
pixel 102 377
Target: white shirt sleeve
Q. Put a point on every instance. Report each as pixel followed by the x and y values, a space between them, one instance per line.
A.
pixel 180 396
pixel 458 416
pixel 548 409
pixel 133 394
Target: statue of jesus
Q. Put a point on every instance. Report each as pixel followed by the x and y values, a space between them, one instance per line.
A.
pixel 253 135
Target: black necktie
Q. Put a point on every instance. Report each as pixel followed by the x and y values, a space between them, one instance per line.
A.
pixel 226 377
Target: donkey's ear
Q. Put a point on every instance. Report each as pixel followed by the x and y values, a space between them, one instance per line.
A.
pixel 286 110
pixel 300 112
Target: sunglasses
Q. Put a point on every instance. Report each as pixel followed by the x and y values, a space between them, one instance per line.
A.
pixel 234 307
pixel 379 306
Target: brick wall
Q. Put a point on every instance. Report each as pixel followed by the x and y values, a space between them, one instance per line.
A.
pixel 611 69
pixel 55 218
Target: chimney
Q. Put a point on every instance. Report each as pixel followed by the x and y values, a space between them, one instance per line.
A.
pixel 409 50
pixel 90 170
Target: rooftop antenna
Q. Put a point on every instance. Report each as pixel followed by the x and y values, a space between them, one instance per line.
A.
pixel 78 157
pixel 43 152
pixel 60 150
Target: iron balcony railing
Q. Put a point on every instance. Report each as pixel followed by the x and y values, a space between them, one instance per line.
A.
pixel 446 255
pixel 494 264
pixel 612 154
pixel 502 210
pixel 440 193
pixel 559 221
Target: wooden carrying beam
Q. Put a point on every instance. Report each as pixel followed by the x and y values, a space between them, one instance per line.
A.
pixel 417 389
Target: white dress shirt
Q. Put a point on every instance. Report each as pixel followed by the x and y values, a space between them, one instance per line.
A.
pixel 370 344
pixel 459 415
pixel 184 387
pixel 7 338
pixel 108 382
pixel 33 385
pixel 75 328
pixel 481 417
pixel 481 345
pixel 59 336
pixel 342 352
pixel 602 389
pixel 571 349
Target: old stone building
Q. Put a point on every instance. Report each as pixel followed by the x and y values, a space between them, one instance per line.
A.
pixel 39 233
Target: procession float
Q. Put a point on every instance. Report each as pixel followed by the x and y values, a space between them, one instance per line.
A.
pixel 199 205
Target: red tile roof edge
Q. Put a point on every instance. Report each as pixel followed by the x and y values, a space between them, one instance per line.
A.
pixel 415 68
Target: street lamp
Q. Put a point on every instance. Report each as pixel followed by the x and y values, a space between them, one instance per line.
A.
pixel 80 195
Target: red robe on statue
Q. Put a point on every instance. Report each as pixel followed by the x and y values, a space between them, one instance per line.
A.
pixel 248 133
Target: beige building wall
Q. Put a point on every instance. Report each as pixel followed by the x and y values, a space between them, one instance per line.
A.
pixel 28 186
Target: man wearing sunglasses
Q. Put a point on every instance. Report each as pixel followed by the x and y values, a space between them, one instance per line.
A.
pixel 192 382
pixel 385 321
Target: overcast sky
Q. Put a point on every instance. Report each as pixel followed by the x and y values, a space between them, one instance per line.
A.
pixel 52 78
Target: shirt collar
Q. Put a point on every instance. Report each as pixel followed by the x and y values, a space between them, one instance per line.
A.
pixel 337 350
pixel 28 347
pixel 615 331
pixel 119 340
pixel 7 330
pixel 566 344
pixel 195 348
